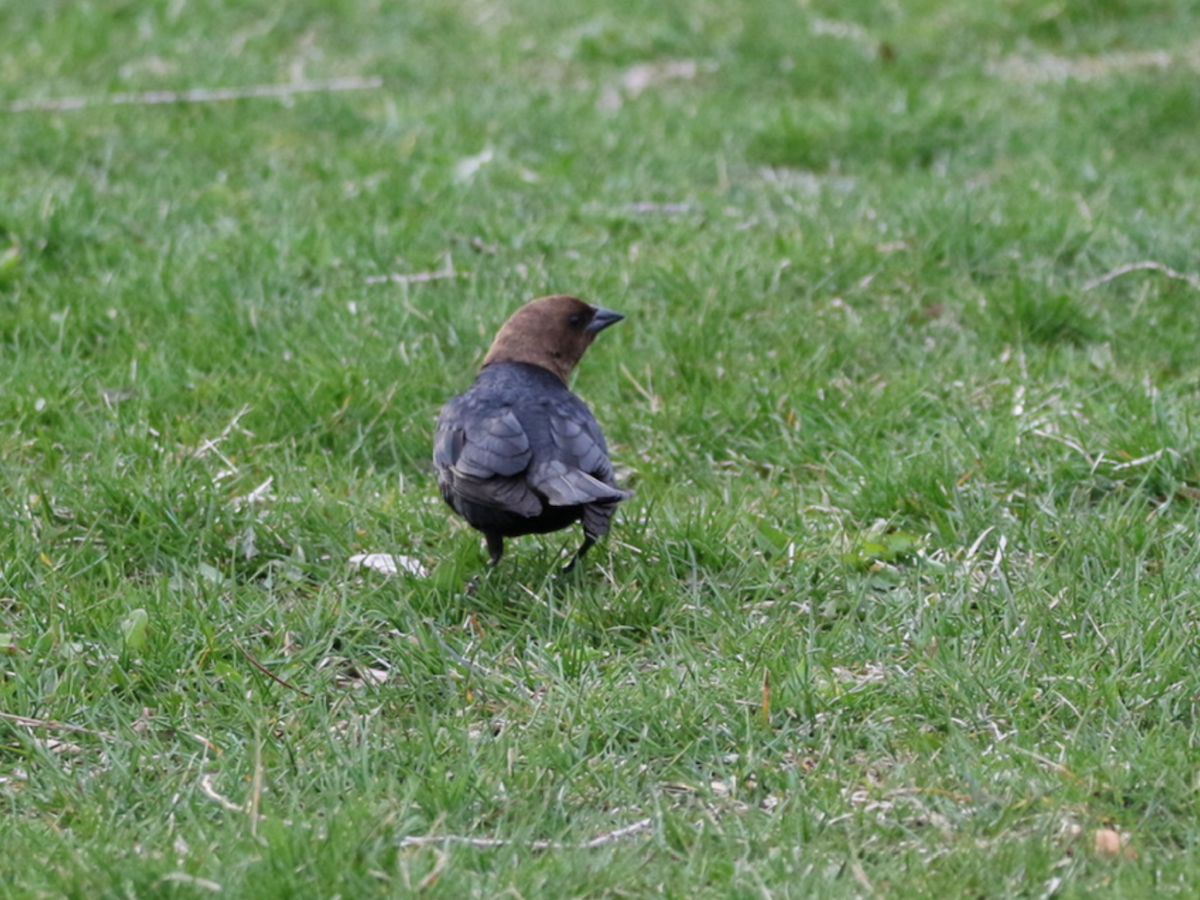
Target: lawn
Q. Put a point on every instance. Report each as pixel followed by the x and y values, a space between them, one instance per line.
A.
pixel 905 604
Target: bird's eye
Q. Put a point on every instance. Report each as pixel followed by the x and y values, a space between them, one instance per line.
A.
pixel 575 321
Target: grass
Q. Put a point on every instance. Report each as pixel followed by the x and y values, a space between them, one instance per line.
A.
pixel 905 603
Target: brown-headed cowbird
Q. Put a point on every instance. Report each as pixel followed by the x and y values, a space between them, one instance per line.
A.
pixel 518 453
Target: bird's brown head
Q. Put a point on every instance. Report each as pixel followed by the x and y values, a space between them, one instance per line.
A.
pixel 551 332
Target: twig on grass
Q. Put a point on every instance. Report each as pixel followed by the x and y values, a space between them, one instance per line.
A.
pixel 195 95
pixel 489 843
pixel 55 726
pixel 206 785
pixel 205 884
pixel 211 445
pixel 1044 760
pixel 1193 280
pixel 254 662
pixel 860 875
pixel 447 271
pixel 251 809
pixel 646 207
pixel 1148 458
pixel 435 873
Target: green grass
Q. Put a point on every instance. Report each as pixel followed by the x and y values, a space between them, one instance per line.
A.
pixel 905 604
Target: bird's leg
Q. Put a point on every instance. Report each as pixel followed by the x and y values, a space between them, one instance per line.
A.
pixel 588 541
pixel 495 544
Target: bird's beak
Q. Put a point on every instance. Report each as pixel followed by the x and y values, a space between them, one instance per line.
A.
pixel 602 319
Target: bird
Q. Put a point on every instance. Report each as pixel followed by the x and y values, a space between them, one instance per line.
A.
pixel 518 453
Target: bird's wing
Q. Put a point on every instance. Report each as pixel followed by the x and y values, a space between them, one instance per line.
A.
pixel 481 455
pixel 494 443
pixel 578 470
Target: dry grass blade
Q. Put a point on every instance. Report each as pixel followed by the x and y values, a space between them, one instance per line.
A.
pixel 447 271
pixel 206 785
pixel 1150 265
pixel 55 726
pixel 487 843
pixel 254 662
pixel 195 95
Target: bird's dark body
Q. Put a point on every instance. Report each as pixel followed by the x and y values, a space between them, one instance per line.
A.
pixel 518 453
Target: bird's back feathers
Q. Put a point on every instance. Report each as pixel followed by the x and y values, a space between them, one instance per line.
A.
pixel 518 453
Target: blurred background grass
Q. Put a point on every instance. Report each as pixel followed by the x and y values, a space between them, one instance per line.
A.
pixel 905 598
